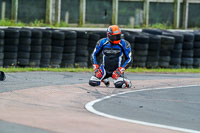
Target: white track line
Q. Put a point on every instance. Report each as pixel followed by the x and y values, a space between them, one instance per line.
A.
pixel 89 107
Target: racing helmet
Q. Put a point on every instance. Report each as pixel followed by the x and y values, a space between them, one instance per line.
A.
pixel 114 34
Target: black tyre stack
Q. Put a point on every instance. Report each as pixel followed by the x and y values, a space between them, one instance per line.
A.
pixel 188 52
pixel 140 50
pixel 130 38
pixel 196 62
pixel 102 34
pixel 153 31
pixel 11 47
pixel 82 54
pixel 2 34
pixel 36 48
pixel 24 47
pixel 46 48
pixel 176 53
pixel 58 38
pixel 153 51
pixel 69 52
pixel 93 39
pixel 167 45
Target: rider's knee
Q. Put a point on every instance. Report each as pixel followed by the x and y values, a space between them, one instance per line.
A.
pixel 122 83
pixel 94 81
pixel 119 84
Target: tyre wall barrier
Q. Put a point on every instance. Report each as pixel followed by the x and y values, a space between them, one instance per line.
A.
pixel 196 57
pixel 11 47
pixel 24 48
pixel 36 48
pixel 58 39
pixel 93 39
pixel 82 53
pixel 69 51
pixel 153 51
pixel 2 35
pixel 151 48
pixel 46 48
pixel 140 50
pixel 176 53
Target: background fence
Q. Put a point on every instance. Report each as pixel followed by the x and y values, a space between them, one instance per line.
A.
pixel 179 13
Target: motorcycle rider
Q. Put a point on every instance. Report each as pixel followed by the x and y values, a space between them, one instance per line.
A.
pixel 113 47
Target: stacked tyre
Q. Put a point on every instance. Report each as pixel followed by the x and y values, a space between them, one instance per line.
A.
pixel 46 48
pixel 58 38
pixel 153 51
pixel 82 54
pixel 93 39
pixel 167 45
pixel 140 50
pixel 153 31
pixel 11 47
pixel 130 38
pixel 24 48
pixel 176 53
pixel 69 52
pixel 196 62
pixel 2 34
pixel 188 52
pixel 102 34
pixel 36 48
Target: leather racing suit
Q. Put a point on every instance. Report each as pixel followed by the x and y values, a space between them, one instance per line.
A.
pixel 112 59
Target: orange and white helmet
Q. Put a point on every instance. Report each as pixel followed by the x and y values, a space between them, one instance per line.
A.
pixel 114 34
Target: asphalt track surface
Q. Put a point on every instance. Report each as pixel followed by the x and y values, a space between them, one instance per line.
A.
pixel 25 80
pixel 178 107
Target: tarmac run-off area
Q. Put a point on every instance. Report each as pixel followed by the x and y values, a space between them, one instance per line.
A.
pixel 54 102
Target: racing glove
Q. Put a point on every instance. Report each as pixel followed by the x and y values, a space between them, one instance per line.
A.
pixel 98 71
pixel 118 72
pixel 95 67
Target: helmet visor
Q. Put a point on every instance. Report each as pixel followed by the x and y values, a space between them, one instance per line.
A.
pixel 115 37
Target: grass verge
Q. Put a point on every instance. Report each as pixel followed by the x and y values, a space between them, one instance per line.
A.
pixel 36 23
pixel 163 70
pixel 12 69
pixel 41 23
pixel 134 70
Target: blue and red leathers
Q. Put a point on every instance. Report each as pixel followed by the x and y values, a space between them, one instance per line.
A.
pixel 112 56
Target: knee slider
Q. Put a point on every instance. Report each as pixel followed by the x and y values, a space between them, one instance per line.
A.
pixel 120 84
pixel 94 83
